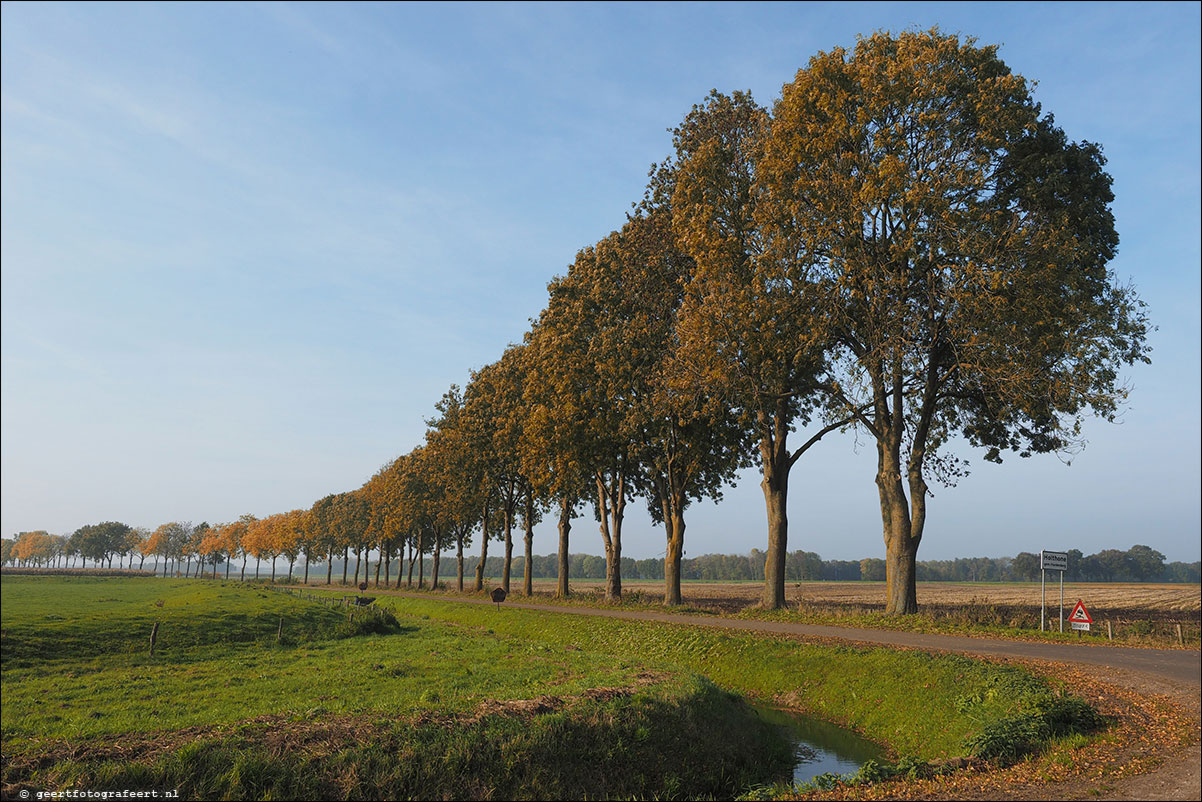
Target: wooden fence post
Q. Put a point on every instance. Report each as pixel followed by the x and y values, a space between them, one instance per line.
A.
pixel 1109 633
pixel 279 633
pixel 154 637
pixel 1180 639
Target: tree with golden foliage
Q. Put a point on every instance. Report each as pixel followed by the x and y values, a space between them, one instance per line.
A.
pixel 453 461
pixel 158 544
pixel 138 536
pixel 321 531
pixel 212 547
pixel 495 398
pixel 553 422
pixel 290 538
pixel 751 333
pixel 959 243
pixel 386 522
pixel 36 547
pixel 261 541
pixel 588 381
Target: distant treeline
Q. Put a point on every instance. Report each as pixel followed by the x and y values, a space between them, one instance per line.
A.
pixel 1137 564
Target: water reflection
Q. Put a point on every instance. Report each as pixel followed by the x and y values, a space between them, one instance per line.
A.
pixel 820 747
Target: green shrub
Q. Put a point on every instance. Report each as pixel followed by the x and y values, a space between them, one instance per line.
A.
pixel 376 621
pixel 1043 718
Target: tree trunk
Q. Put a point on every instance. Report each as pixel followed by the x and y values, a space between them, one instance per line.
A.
pixel 613 571
pixel 505 569
pixel 565 528
pixel 330 567
pixel 434 571
pixel 388 564
pixel 901 541
pixel 273 568
pixel 775 464
pixel 528 574
pixel 483 549
pixel 459 557
pixel 421 567
pixel 409 581
pixel 258 560
pixel 346 562
pixel 358 559
pixel 306 570
pixel 611 508
pixel 379 562
pixel 901 555
pixel 672 557
pixel 776 503
pixel 242 576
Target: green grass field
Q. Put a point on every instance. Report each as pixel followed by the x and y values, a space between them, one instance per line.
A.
pixel 430 699
pixel 920 705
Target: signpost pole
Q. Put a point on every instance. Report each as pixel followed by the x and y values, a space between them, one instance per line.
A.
pixel 1050 561
pixel 1061 601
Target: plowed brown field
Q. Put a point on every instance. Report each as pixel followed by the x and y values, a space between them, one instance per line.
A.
pixel 1154 600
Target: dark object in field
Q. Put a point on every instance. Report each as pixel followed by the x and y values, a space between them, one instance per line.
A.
pixel 154 637
pixel 498 596
pixel 362 586
pixel 363 601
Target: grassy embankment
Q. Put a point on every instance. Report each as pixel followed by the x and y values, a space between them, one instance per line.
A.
pixel 931 707
pixel 444 699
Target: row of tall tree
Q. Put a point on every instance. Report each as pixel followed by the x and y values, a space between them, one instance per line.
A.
pixel 99 543
pixel 904 245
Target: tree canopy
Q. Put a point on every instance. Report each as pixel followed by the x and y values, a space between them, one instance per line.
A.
pixel 960 243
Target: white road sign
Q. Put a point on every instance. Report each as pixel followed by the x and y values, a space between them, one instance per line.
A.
pixel 1053 560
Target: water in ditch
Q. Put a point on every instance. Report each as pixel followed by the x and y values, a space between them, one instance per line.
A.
pixel 820 747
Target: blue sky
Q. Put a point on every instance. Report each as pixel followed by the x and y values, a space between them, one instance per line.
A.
pixel 247 247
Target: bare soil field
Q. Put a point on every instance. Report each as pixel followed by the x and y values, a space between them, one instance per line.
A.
pixel 1132 613
pixel 1178 600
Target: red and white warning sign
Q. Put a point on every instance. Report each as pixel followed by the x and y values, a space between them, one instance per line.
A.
pixel 1080 617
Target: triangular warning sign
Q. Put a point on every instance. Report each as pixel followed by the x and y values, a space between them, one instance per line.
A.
pixel 1080 614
